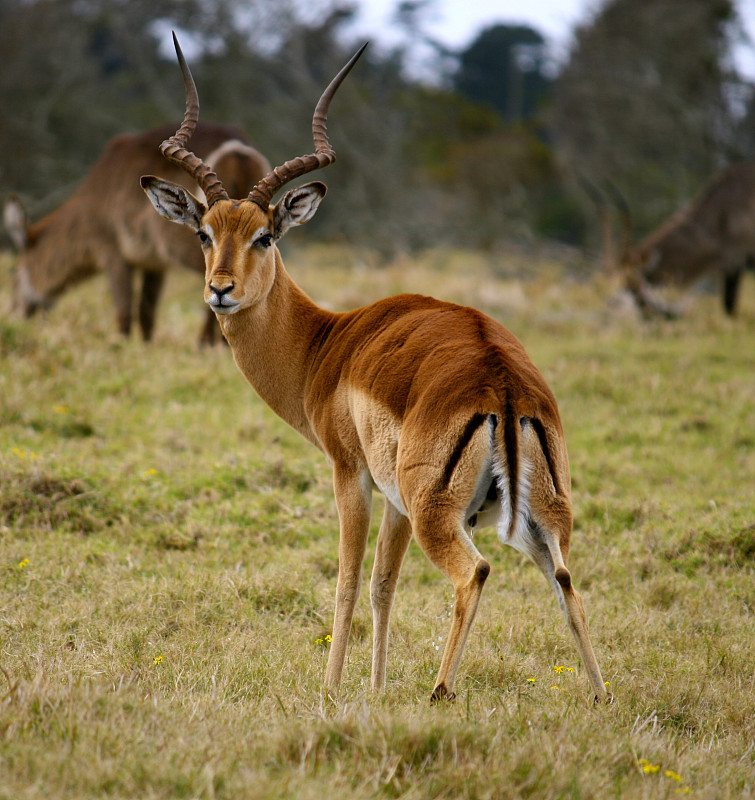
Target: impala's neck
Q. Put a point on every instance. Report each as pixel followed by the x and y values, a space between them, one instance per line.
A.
pixel 274 344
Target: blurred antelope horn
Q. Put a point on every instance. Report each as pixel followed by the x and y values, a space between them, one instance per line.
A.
pixel 324 154
pixel 174 148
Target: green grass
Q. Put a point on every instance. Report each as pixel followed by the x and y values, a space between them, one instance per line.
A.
pixel 168 555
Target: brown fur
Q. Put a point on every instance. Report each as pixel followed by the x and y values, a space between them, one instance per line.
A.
pixel 108 226
pixel 713 236
pixel 409 395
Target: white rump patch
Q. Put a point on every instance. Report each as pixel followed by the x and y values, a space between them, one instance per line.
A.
pixel 520 536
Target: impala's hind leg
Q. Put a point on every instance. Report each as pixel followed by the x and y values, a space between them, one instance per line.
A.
pixel 442 487
pixel 151 287
pixel 393 540
pixel 120 277
pixel 546 541
pixel 732 281
pixel 449 547
pixel 545 553
pixel 548 550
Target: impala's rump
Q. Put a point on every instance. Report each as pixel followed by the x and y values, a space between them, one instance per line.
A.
pixel 420 427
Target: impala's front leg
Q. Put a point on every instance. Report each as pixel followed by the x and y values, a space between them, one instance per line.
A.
pixel 120 277
pixel 151 289
pixel 354 502
pixel 393 540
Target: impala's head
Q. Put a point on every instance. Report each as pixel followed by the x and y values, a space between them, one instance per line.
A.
pixel 238 236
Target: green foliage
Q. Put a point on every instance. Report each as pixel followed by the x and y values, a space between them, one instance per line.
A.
pixel 502 179
pixel 410 159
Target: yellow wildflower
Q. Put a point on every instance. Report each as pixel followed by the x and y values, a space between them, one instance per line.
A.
pixel 558 669
pixel 23 563
pixel 158 660
pixel 675 776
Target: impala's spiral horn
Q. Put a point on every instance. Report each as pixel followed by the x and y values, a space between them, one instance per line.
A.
pixel 175 150
pixel 324 154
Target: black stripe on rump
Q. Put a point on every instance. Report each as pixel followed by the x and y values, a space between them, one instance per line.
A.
pixel 511 446
pixel 543 439
pixel 466 435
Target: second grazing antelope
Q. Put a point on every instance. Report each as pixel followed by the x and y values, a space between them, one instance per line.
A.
pixel 435 405
pixel 713 236
pixel 108 226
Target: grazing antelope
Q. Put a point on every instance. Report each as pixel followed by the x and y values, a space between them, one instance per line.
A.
pixel 108 226
pixel 435 405
pixel 713 236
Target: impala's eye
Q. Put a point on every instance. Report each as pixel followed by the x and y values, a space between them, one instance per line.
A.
pixel 264 241
pixel 203 237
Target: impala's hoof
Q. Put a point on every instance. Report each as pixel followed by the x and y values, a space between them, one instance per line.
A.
pixel 441 693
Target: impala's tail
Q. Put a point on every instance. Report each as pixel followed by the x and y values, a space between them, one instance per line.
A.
pixel 532 477
pixel 511 471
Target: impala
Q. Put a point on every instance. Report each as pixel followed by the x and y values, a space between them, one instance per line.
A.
pixel 108 226
pixel 435 405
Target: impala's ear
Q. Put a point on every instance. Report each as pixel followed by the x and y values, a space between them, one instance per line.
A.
pixel 174 202
pixel 16 222
pixel 297 206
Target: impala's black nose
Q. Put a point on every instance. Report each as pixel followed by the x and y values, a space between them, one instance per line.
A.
pixel 221 292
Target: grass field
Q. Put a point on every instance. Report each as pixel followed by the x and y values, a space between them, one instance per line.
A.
pixel 168 554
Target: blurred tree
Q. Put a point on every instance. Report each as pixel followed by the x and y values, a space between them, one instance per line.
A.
pixel 74 75
pixel 644 100
pixel 416 167
pixel 500 181
pixel 504 68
